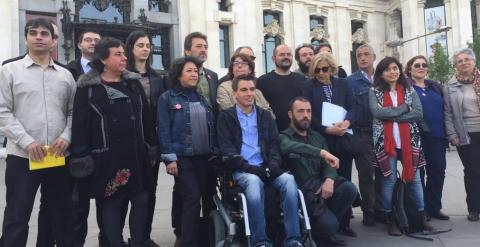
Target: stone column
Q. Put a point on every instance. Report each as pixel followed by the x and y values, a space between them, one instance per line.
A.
pixel 422 46
pixel 410 29
pixel 343 38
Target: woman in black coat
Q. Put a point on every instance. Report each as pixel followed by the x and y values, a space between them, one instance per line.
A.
pixel 325 87
pixel 112 129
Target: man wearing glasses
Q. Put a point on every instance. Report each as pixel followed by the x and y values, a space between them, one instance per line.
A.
pixel 86 45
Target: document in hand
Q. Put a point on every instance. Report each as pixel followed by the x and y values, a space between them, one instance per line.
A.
pixel 332 114
pixel 48 161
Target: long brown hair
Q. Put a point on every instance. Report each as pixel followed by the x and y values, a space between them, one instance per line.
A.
pixel 379 82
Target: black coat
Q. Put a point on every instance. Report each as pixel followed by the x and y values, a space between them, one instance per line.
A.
pixel 112 125
pixel 75 67
pixel 229 134
pixel 212 79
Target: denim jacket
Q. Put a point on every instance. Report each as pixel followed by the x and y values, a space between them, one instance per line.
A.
pixel 360 87
pixel 174 126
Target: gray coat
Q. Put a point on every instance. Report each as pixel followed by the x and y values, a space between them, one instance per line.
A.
pixel 454 124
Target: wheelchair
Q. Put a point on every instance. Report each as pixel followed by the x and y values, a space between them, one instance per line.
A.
pixel 229 225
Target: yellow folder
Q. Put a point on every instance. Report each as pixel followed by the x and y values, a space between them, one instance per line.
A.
pixel 48 161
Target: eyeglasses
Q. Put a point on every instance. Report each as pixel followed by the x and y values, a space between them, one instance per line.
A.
pixel 237 63
pixel 420 65
pixel 323 69
pixel 90 40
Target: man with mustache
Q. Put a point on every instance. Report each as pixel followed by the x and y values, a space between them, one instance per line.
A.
pixel 303 55
pixel 281 85
pixel 327 196
pixel 36 84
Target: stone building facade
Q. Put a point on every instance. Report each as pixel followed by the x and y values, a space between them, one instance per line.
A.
pixel 260 24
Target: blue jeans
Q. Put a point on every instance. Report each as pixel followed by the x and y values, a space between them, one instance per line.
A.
pixel 252 186
pixel 414 187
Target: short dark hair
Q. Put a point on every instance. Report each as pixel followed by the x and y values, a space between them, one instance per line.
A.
pixel 80 37
pixel 301 46
pixel 130 44
pixel 379 82
pixel 187 44
pixel 239 78
pixel 320 46
pixel 102 51
pixel 298 98
pixel 408 66
pixel 40 22
pixel 246 59
pixel 177 68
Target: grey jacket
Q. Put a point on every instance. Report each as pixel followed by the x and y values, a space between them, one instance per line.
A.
pixel 454 124
pixel 35 104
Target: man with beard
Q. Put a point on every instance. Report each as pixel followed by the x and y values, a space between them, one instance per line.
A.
pixel 303 55
pixel 86 45
pixel 328 197
pixel 248 138
pixel 281 85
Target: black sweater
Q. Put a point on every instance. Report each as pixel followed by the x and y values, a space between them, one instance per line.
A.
pixel 279 90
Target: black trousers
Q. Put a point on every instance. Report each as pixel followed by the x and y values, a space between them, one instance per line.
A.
pixel 112 218
pixel 152 198
pixel 81 210
pixel 470 156
pixel 369 181
pixel 45 236
pixel 434 150
pixel 192 184
pixel 207 200
pixel 21 188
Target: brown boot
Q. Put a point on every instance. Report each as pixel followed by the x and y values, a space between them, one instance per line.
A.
pixel 392 228
pixel 426 226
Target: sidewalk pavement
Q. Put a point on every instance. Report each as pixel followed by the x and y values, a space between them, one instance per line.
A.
pixel 464 233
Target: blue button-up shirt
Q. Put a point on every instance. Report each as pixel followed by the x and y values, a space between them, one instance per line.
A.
pixel 250 149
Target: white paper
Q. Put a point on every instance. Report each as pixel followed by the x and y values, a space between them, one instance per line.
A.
pixel 332 114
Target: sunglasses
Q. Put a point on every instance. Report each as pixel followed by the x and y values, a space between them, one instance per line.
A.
pixel 323 69
pixel 420 65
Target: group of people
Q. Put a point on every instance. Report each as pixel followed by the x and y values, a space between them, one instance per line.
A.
pixel 115 119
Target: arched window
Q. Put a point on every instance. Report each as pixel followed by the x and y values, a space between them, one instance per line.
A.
pixel 102 11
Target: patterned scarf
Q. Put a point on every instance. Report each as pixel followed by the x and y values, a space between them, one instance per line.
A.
pixel 389 141
pixel 473 78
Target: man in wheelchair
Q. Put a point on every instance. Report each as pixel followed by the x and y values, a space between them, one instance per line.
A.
pixel 248 137
pixel 327 197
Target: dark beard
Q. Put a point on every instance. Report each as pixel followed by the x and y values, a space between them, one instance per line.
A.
pixel 303 67
pixel 282 66
pixel 302 126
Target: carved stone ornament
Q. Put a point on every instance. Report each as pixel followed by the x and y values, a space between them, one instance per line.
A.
pixel 101 5
pixel 359 36
pixel 319 33
pixel 273 30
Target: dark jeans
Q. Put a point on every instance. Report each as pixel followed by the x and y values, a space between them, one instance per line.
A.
pixel 434 150
pixel 112 219
pixel 21 188
pixel 192 186
pixel 81 209
pixel 370 188
pixel 327 224
pixel 470 156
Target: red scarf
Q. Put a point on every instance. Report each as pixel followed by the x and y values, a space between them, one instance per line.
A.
pixel 389 141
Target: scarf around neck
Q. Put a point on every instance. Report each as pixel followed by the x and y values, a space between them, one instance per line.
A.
pixel 389 141
pixel 471 79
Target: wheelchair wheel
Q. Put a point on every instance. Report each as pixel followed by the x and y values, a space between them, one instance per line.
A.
pixel 217 229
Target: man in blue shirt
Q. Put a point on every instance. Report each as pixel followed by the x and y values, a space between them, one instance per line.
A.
pixel 248 137
pixel 360 83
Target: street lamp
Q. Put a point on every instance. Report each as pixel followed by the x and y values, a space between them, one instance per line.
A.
pixel 396 43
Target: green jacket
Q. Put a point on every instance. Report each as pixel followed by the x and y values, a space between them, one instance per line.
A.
pixel 303 157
